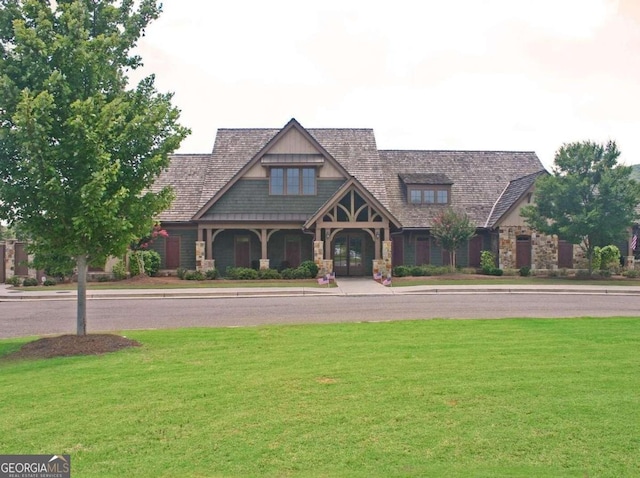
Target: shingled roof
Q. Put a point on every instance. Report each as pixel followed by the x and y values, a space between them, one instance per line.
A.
pixel 511 194
pixel 483 183
pixel 478 180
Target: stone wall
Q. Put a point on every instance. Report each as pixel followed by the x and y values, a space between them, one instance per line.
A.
pixel 544 251
pixel 544 248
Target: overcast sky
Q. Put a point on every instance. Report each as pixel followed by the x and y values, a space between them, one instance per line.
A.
pixel 431 74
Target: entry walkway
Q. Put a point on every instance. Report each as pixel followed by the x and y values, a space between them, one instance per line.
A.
pixel 361 286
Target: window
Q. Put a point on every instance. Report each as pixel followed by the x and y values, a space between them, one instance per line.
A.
pixel 277 181
pixel 425 195
pixel 292 181
pixel 429 196
pixel 308 181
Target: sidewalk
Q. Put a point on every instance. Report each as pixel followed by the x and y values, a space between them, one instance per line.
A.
pixel 346 287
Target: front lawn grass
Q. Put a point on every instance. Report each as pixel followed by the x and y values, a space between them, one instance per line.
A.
pixel 511 280
pixel 525 397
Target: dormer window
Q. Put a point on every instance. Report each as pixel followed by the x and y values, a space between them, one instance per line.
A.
pixel 427 188
pixel 428 195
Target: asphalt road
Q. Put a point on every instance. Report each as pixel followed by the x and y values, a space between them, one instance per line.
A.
pixel 42 317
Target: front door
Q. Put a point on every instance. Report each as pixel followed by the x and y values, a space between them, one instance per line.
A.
pixel 523 251
pixel 22 259
pixel 565 255
pixel 172 252
pixel 243 251
pixel 348 255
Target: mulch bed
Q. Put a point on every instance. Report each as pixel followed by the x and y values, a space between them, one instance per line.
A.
pixel 68 345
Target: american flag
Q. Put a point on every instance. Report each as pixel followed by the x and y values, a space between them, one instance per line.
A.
pixel 331 276
pixel 323 280
pixel 387 281
pixel 377 276
pixel 634 242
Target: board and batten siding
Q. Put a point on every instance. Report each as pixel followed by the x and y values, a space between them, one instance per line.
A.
pixel 251 196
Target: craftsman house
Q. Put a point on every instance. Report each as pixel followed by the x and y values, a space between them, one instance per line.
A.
pixel 272 198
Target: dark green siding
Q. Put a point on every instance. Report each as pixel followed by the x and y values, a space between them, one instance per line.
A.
pixel 435 256
pixel 252 196
pixel 276 247
pixel 188 239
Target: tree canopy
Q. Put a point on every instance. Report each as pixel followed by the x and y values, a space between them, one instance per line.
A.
pixel 451 229
pixel 79 148
pixel 589 199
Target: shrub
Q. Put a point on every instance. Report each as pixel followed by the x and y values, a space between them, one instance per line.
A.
pixel 583 274
pixel 313 268
pixel 211 274
pixel 401 271
pixel 267 274
pixel 609 257
pixel 150 259
pixel 417 271
pixel 241 273
pixel 119 270
pixel 631 273
pixel 104 278
pixel 487 262
pixel 297 273
pixel 181 272
pixel 49 282
pixel 194 275
pixel 30 282
pixel 14 281
pixel 495 271
pixel 525 271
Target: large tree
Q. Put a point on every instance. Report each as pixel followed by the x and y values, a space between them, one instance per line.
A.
pixel 79 147
pixel 451 229
pixel 589 200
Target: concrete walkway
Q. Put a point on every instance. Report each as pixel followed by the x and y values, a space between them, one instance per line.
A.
pixel 351 286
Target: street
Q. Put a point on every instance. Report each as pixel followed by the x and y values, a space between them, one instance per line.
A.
pixel 43 317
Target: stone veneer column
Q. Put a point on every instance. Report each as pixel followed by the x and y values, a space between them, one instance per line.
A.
pixel 327 267
pixel 507 248
pixel 200 247
pixel 387 255
pixel 9 259
pixel 318 257
pixel 264 264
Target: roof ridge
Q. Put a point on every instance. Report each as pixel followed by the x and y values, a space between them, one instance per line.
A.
pixel 452 151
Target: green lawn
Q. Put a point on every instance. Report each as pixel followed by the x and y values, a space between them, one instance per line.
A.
pixel 464 398
pixel 512 280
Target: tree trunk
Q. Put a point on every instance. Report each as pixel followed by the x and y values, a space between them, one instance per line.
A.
pixel 452 260
pixel 81 263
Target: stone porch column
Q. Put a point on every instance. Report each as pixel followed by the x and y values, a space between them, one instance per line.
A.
pixel 387 256
pixel 200 247
pixel 10 259
pixel 318 257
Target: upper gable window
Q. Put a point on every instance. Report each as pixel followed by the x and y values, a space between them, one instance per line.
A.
pixel 292 181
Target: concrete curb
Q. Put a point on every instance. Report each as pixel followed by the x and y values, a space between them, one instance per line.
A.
pixel 7 295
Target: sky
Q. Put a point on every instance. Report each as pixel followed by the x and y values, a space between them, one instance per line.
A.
pixel 524 75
